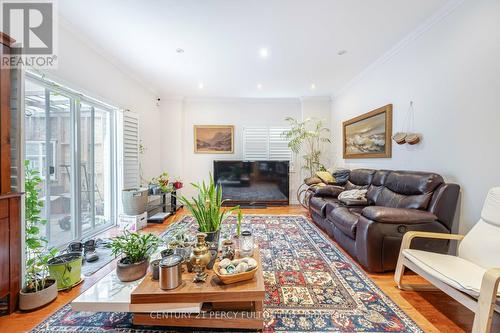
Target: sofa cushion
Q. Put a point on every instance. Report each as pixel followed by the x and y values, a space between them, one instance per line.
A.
pixel 327 191
pixel 454 271
pixel 318 204
pixel 332 205
pixel 345 220
pixel 360 179
pixel 376 186
pixel 408 189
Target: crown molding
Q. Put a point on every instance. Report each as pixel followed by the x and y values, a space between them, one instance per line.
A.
pixel 326 98
pixel 68 26
pixel 241 99
pixel 427 25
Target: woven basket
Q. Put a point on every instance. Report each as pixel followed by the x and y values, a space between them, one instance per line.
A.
pixel 399 138
pixel 412 139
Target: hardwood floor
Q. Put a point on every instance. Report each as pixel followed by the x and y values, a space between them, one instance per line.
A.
pixel 433 311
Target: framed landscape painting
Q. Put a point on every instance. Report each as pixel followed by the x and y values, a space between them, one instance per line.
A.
pixel 369 135
pixel 213 139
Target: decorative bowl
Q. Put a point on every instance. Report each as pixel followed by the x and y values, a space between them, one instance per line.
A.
pixel 233 278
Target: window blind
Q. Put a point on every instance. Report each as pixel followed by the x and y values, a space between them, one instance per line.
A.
pixel 265 143
pixel 130 150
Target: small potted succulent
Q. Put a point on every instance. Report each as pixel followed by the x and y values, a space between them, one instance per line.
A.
pixel 162 182
pixel 135 250
pixel 39 289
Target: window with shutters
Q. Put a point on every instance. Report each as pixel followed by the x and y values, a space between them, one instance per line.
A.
pixel 266 143
pixel 130 150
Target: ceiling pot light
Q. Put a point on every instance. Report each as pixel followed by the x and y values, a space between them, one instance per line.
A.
pixel 201 85
pixel 259 86
pixel 313 86
pixel 263 53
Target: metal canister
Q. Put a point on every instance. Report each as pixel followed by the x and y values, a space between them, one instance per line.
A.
pixel 170 272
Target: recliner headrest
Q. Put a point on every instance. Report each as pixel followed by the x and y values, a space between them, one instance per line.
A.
pixel 413 182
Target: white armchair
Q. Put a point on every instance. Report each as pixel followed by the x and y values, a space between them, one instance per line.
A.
pixel 472 277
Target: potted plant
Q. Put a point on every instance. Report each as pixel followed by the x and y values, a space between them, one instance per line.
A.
pixel 206 208
pixel 307 137
pixel 135 250
pixel 38 289
pixel 162 182
pixel 177 184
pixel 66 269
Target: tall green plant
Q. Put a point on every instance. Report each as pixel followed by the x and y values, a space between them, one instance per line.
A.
pixel 37 253
pixel 206 207
pixel 306 137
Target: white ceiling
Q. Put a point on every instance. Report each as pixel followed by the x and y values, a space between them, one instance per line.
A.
pixel 222 38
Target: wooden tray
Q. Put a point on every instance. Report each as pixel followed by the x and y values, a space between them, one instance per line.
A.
pixel 233 278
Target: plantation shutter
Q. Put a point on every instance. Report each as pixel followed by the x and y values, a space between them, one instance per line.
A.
pixel 255 143
pixel 265 143
pixel 130 150
pixel 278 145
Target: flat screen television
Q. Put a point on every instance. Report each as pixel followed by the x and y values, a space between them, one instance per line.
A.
pixel 253 183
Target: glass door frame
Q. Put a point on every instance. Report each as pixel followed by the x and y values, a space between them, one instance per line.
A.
pixel 112 167
pixel 76 99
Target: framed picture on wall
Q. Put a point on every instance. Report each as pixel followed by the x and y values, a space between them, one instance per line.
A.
pixel 369 135
pixel 214 139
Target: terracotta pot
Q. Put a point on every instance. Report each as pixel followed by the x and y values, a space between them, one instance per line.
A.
pixel 30 301
pixel 131 272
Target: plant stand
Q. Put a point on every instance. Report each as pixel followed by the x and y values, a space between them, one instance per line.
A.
pixel 304 193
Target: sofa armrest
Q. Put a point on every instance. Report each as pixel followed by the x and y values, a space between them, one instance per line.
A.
pixel 328 191
pixel 397 215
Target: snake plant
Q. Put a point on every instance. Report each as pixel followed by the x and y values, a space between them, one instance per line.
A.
pixel 206 207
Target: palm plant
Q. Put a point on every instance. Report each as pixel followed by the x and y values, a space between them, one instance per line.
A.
pixel 206 207
pixel 306 137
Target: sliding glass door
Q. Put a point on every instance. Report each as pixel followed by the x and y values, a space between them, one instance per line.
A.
pixel 96 189
pixel 69 139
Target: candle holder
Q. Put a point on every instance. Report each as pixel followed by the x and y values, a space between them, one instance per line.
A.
pixel 246 244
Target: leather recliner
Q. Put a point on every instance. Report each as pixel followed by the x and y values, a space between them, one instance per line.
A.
pixel 397 202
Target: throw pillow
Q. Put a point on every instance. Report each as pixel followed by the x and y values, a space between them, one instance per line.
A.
pixel 326 177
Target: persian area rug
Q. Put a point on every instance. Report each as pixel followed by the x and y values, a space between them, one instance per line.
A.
pixel 311 286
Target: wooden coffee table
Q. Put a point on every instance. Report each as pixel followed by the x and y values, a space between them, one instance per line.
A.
pixel 237 305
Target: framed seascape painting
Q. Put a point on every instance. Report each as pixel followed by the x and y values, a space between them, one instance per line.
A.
pixel 369 135
pixel 213 139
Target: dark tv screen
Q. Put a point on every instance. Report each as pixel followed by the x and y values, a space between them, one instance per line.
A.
pixel 253 182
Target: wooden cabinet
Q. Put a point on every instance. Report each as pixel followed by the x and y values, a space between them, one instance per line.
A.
pixel 10 222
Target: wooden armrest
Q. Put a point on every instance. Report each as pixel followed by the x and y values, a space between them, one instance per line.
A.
pixel 410 235
pixel 487 300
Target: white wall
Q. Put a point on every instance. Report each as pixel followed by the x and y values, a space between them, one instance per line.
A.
pixel 452 73
pixel 178 156
pixel 84 69
pixel 318 108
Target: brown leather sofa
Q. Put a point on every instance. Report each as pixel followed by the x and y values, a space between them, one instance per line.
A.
pixel 397 202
